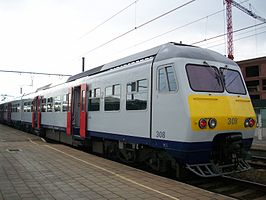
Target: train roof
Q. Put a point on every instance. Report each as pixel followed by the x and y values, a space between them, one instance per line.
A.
pixel 161 52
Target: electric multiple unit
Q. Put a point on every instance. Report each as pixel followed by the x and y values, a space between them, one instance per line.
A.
pixel 171 107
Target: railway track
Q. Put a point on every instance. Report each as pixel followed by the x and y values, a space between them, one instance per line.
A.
pixel 232 187
pixel 258 162
pixel 258 159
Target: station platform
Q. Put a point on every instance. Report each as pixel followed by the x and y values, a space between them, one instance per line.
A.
pixel 259 144
pixel 30 168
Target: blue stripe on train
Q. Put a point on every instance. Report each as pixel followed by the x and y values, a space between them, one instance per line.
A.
pixel 187 152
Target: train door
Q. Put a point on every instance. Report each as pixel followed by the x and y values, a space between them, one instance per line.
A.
pixel 36 113
pixel 165 106
pixel 77 114
pixel 9 107
pixel 69 111
pixel 83 110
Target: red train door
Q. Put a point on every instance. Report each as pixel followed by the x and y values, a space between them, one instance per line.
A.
pixel 39 112
pixel 36 112
pixel 83 110
pixel 9 108
pixel 69 111
pixel 77 113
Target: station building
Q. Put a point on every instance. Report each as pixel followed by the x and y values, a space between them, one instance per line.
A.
pixel 254 72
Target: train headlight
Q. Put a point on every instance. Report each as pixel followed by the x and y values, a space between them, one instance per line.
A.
pixel 202 123
pixel 246 123
pixel 249 122
pixel 212 123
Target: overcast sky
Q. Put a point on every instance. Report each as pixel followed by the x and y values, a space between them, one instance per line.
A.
pixel 52 35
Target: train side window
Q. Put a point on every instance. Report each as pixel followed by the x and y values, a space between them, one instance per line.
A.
pixel 25 107
pixel 43 107
pixel 166 79
pixel 57 104
pixel 94 99
pixel 162 80
pixel 50 104
pixel 137 95
pixel 112 98
pixel 18 107
pixel 65 103
pixel 14 108
pixel 83 100
pixel 30 106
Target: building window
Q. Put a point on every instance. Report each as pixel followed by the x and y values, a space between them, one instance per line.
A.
pixel 253 86
pixel 137 95
pixel 112 98
pixel 252 71
pixel 57 104
pixel 255 97
pixel 166 79
pixel 94 100
pixel 264 84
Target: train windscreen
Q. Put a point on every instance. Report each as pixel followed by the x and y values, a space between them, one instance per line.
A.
pixel 233 81
pixel 204 78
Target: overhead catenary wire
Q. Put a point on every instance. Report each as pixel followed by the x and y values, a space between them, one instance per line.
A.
pixel 240 33
pixel 248 36
pixel 137 27
pixel 174 29
pixel 221 35
pixel 105 21
pixel 37 73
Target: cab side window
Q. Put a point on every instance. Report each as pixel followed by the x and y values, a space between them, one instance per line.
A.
pixel 166 79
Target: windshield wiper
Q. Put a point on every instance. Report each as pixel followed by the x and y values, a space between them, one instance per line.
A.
pixel 217 74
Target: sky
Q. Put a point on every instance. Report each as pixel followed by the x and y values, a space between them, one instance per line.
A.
pixel 52 36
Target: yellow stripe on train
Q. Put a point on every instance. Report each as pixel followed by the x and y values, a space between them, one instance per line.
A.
pixel 229 111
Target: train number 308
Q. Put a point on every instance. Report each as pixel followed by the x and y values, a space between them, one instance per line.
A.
pixel 160 134
pixel 232 121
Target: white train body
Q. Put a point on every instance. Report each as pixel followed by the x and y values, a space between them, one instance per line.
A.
pixel 155 100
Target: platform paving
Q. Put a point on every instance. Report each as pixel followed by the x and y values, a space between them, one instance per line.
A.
pixel 33 169
pixel 259 144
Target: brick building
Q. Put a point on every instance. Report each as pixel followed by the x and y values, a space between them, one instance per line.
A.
pixel 254 72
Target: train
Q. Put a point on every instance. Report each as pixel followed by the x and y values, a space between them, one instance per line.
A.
pixel 172 107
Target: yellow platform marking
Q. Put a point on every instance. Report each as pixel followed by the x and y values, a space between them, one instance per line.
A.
pixel 109 171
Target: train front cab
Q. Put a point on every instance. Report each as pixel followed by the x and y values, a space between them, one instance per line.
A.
pixel 220 112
